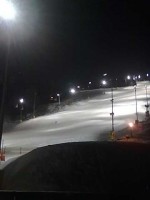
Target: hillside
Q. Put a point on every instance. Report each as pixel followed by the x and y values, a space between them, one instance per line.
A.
pixel 105 167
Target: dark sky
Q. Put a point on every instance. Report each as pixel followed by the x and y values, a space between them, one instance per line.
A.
pixel 55 43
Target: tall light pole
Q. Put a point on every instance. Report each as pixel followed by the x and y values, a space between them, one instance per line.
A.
pixel 58 95
pixel 104 83
pixel 139 77
pixel 136 112
pixel 7 14
pixel 21 108
pixel 89 85
pixel 147 103
pixel 147 75
pixel 112 111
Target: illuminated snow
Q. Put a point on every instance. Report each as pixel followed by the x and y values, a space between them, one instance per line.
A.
pixel 87 120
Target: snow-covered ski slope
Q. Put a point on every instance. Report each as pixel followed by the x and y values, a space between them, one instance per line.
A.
pixel 86 120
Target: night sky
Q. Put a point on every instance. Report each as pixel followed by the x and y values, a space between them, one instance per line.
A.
pixel 58 43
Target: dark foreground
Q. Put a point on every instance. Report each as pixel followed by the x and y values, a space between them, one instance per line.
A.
pixel 89 167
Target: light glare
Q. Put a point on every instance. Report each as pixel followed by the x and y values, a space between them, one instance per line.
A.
pixel 104 82
pixel 21 100
pixel 128 77
pixel 72 91
pixel 7 10
pixel 131 125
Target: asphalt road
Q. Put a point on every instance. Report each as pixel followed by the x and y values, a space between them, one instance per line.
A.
pixel 86 120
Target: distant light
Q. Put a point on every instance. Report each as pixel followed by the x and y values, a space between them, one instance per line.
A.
pixel 7 10
pixel 21 100
pixel 104 74
pixel 131 124
pixel 90 83
pixel 128 77
pixel 139 76
pixel 52 97
pixel 104 82
pixel 78 86
pixel 147 75
pixel 58 95
pixel 72 91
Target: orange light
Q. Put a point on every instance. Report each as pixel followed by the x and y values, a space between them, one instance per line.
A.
pixel 131 124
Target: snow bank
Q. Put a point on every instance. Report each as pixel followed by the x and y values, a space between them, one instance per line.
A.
pixel 105 167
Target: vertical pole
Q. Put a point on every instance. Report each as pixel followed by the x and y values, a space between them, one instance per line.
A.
pixel 112 114
pixel 20 114
pixel 146 97
pixel 58 95
pixel 104 89
pixel 147 103
pixel 4 90
pixel 137 120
